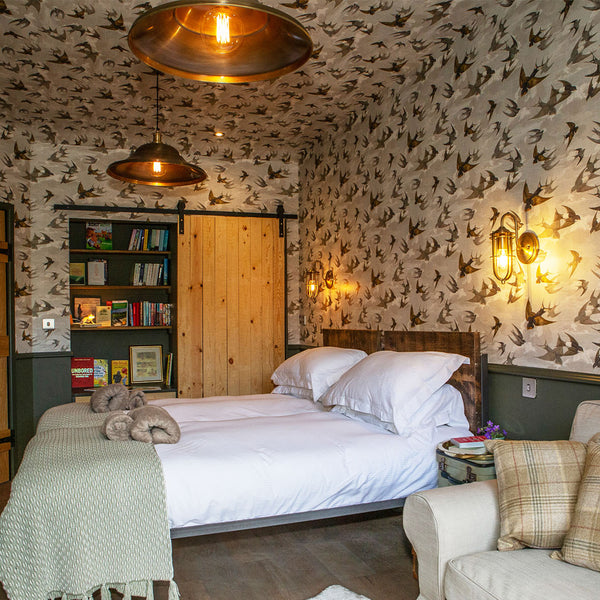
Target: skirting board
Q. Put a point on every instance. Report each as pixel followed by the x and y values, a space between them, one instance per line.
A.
pixel 180 532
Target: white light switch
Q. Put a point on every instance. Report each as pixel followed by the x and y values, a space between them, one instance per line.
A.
pixel 47 323
pixel 529 387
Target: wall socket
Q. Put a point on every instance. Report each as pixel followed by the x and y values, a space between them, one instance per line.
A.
pixel 47 323
pixel 529 387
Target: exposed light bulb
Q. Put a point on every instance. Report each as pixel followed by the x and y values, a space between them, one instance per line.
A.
pixel 157 168
pixel 222 29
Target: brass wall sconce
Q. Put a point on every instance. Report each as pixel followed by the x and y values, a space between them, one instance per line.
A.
pixel 312 282
pixel 312 285
pixel 506 244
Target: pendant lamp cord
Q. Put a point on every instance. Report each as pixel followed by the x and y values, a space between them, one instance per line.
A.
pixel 157 99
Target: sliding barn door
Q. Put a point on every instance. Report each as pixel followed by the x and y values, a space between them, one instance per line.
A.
pixel 230 305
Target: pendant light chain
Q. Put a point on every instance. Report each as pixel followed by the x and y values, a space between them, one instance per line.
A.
pixel 157 98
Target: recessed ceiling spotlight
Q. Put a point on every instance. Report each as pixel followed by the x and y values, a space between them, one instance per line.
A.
pixel 219 134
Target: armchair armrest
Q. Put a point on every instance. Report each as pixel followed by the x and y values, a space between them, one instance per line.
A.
pixel 444 523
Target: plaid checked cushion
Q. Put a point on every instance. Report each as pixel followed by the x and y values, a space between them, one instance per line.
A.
pixel 537 490
pixel 582 542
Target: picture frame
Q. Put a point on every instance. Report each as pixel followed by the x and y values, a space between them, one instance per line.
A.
pixel 145 364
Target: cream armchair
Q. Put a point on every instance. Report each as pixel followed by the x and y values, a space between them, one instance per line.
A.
pixel 454 531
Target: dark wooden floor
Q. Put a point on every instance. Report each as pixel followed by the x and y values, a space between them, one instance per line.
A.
pixel 369 555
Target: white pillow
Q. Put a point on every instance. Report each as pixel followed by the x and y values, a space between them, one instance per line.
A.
pixel 297 392
pixel 444 407
pixel 394 386
pixel 317 368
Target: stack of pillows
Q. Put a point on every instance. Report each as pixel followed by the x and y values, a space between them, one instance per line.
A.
pixel 549 497
pixel 398 391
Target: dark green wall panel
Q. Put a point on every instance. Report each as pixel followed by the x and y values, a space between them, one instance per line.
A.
pixel 547 416
pixel 41 381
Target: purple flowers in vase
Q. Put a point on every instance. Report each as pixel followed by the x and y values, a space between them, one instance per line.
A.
pixel 492 431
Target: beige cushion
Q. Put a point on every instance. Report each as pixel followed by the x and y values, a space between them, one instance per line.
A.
pixel 525 575
pixel 586 421
pixel 537 488
pixel 582 542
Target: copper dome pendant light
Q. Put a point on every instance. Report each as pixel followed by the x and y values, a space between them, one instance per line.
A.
pixel 220 41
pixel 156 164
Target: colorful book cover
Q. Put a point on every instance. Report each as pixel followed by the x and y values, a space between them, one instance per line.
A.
pixel 82 371
pixel 119 309
pixel 98 236
pixel 100 372
pixel 77 273
pixel 119 370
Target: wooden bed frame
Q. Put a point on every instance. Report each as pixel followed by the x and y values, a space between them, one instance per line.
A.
pixel 468 380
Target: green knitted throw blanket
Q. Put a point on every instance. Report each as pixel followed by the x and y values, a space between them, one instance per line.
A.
pixel 85 514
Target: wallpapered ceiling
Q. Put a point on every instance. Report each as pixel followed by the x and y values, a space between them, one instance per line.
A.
pixel 500 114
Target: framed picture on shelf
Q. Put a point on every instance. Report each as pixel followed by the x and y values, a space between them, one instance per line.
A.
pixel 85 308
pixel 145 364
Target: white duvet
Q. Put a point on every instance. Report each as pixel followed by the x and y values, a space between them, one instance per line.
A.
pixel 245 457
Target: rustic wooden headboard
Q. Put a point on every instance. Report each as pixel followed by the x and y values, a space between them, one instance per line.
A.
pixel 467 379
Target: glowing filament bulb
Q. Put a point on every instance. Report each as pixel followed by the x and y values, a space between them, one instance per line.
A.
pixel 223 29
pixel 502 260
pixel 157 167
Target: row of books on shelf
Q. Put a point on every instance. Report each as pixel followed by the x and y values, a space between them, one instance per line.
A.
pixel 89 312
pixel 151 273
pixel 89 372
pixel 149 239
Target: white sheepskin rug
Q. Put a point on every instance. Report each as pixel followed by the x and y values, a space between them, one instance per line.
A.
pixel 337 592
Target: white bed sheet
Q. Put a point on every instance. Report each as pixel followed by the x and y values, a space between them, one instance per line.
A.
pixel 245 457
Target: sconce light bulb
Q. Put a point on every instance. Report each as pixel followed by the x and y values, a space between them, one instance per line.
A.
pixel 157 167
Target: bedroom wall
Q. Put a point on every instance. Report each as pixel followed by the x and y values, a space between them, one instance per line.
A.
pixel 36 175
pixel 499 112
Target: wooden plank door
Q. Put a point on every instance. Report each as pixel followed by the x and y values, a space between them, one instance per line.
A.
pixel 5 433
pixel 230 305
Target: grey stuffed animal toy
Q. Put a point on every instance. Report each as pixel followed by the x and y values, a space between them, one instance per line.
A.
pixel 116 396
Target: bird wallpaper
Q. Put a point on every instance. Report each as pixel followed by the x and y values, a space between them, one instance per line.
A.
pixel 400 144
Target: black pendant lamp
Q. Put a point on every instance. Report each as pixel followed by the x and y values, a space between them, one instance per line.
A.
pixel 156 164
pixel 226 41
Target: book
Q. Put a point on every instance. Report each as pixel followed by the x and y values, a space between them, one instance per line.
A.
pixel 103 316
pixel 169 369
pixel 119 371
pixel 85 308
pixel 98 236
pixel 472 441
pixel 118 315
pixel 77 273
pixel 100 372
pixel 97 270
pixel 82 371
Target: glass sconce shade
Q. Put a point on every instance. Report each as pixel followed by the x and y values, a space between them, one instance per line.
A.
pixel 226 41
pixel 505 244
pixel 312 285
